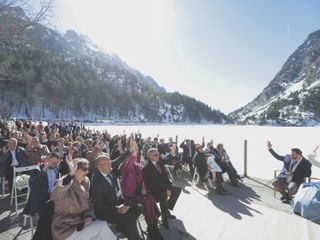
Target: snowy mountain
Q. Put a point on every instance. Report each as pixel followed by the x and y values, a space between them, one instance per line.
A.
pixel 65 76
pixel 293 96
pixel 73 45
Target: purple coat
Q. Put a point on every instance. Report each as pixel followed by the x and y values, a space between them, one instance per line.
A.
pixel 131 183
pixel 131 177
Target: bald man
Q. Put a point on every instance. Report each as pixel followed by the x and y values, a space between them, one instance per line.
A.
pixel 107 203
pixel 13 156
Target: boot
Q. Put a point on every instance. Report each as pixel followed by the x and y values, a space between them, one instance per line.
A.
pixel 220 190
pixel 153 232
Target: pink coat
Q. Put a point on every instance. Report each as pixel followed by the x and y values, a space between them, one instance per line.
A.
pixel 131 174
pixel 131 177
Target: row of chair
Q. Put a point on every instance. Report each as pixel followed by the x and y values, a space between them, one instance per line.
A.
pixel 20 182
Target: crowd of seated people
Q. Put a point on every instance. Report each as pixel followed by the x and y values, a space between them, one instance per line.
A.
pixel 93 179
pixel 90 179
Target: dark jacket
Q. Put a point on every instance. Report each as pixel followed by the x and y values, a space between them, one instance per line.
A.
pixel 104 197
pixel 201 163
pixel 157 183
pixel 39 194
pixel 162 148
pixel 6 160
pixel 302 171
pixel 185 153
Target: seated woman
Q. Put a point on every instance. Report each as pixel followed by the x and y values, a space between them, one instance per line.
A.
pixel 73 214
pixel 200 159
pixel 225 158
pixel 134 189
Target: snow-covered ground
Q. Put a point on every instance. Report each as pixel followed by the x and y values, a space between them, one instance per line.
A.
pixel 260 162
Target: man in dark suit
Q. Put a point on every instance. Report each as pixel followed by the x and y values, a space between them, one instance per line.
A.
pixel 13 156
pixel 158 183
pixel 295 169
pixel 188 153
pixel 107 202
pixel 42 184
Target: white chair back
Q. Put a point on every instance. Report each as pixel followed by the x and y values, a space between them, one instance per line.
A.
pixel 119 186
pixel 21 185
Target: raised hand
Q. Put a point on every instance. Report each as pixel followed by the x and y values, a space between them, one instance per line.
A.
pixel 269 144
pixel 72 166
pixel 316 149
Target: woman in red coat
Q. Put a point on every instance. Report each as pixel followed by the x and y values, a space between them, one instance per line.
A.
pixel 134 189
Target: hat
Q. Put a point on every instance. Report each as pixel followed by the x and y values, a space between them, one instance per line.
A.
pixel 297 151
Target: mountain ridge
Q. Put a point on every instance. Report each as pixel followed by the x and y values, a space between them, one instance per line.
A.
pixel 289 98
pixel 67 76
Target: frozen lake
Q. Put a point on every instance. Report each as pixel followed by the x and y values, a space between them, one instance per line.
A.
pixel 260 162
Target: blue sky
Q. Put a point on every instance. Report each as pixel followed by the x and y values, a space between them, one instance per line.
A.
pixel 222 52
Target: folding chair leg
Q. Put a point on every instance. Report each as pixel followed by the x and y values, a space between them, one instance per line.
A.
pixel 31 225
pixel 24 220
pixel 169 172
pixel 3 186
pixel 16 199
pixel 11 199
pixel 195 178
pixel 141 230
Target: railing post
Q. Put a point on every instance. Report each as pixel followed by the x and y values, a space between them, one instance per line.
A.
pixel 245 158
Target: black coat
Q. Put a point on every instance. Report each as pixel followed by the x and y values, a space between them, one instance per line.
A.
pixel 185 153
pixel 39 192
pixel 302 171
pixel 157 183
pixel 104 197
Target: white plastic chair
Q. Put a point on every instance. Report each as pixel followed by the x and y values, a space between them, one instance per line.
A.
pixel 119 186
pixel 169 168
pixel 195 178
pixel 15 187
pixel 30 222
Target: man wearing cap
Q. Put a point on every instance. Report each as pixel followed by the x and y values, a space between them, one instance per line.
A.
pixel 295 169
